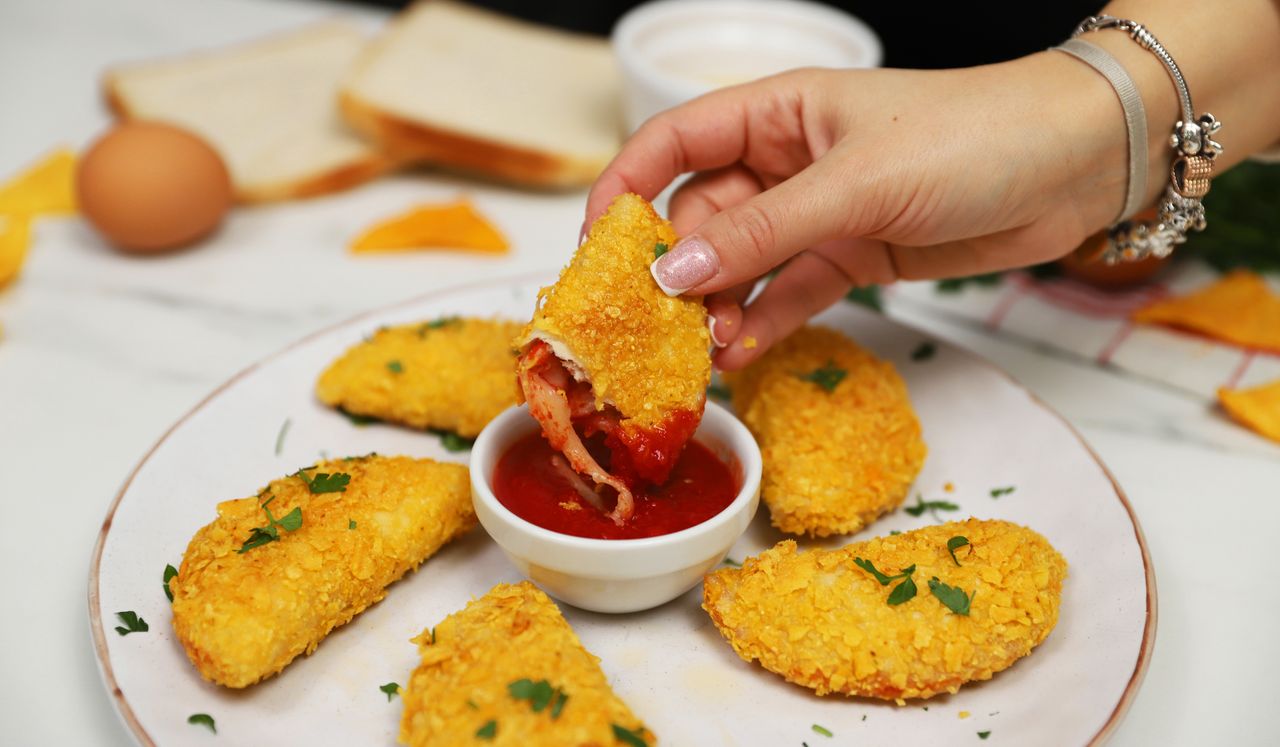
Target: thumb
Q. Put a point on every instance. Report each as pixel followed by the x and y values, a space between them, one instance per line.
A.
pixel 748 240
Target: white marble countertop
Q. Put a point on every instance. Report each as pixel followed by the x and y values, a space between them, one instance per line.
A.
pixel 101 353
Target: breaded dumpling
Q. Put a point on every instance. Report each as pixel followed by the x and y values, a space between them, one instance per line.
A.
pixel 840 442
pixel 274 573
pixel 823 620
pixel 609 353
pixel 451 374
pixel 509 670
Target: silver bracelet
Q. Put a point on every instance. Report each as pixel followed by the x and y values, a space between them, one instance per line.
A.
pixel 1194 149
pixel 1135 117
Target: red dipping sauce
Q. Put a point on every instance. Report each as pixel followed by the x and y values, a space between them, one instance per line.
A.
pixel 528 483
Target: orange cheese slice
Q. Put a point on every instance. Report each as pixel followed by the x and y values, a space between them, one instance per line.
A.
pixel 1240 309
pixel 1257 408
pixel 454 225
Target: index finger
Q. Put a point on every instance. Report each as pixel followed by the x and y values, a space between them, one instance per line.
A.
pixel 706 133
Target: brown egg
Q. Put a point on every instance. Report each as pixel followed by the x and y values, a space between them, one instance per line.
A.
pixel 148 187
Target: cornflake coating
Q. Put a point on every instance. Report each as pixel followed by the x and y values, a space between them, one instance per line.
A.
pixel 833 461
pixel 452 374
pixel 643 351
pixel 512 633
pixel 243 616
pixel 820 621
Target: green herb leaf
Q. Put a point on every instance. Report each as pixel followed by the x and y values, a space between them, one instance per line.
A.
pixel 870 567
pixel 392 689
pixel 955 543
pixel 922 505
pixel 903 592
pixel 284 429
pixel 868 296
pixel 558 705
pixel 452 441
pixel 923 352
pixel 629 737
pixel 954 599
pixel 488 731
pixel 169 573
pixel 259 536
pixel 983 734
pixel 997 492
pixel 824 731
pixel 539 694
pixel 323 482
pixel 203 719
pixel 828 377
pixel 358 421
pixel 351 524
pixel 395 367
pixel 443 321
pixel 659 249
pixel 731 563
pixel 720 392
pixel 132 623
pixel 291 521
pixel 894 532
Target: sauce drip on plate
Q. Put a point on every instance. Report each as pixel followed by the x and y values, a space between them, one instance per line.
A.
pixel 530 483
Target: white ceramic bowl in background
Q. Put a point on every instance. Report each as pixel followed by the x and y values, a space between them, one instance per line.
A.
pixel 617 575
pixel 670 51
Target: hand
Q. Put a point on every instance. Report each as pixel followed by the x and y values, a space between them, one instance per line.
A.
pixel 848 178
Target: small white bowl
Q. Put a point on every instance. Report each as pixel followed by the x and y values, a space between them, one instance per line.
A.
pixel 609 575
pixel 671 51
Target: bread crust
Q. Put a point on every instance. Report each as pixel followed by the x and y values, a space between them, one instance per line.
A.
pixel 406 141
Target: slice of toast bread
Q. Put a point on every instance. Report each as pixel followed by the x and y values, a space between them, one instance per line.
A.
pixel 268 106
pixel 465 88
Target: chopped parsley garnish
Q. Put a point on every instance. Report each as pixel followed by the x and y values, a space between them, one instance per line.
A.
pixel 629 737
pixel 132 623
pixel 452 441
pixel 983 734
pixel 443 321
pixel 488 731
pixel 997 492
pixel 351 524
pixel 954 599
pixel 824 731
pixel 358 420
pixel 169 573
pixel 894 532
pixel 922 505
pixel 323 482
pixel 828 377
pixel 395 367
pixel 392 689
pixel 540 694
pixel 720 392
pixel 203 719
pixel 284 430
pixel 659 249
pixel 955 543
pixel 903 592
pixel 259 536
pixel 924 351
pixel 731 563
pixel 868 296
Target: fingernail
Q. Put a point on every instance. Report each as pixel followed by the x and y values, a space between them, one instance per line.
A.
pixel 711 327
pixel 690 262
pixel 582 233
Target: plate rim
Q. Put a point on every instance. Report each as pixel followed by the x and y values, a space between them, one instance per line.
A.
pixel 130 719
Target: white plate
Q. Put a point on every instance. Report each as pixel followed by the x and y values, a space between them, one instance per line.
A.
pixel 670 664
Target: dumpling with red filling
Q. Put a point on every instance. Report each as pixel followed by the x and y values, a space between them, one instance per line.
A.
pixel 615 370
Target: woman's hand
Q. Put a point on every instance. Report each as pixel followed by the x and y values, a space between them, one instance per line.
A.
pixel 847 178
